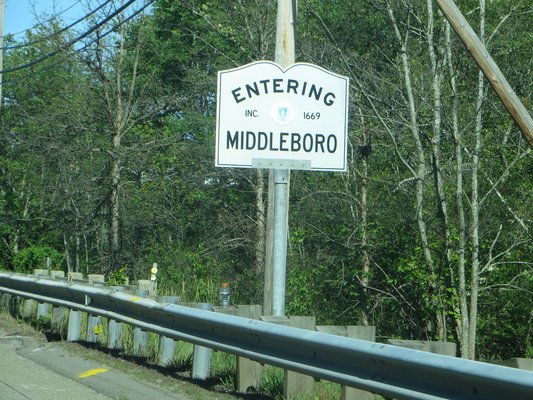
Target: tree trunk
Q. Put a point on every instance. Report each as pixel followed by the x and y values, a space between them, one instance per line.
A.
pixel 114 229
pixel 436 75
pixel 474 284
pixel 365 254
pixel 67 253
pixel 419 175
pixel 462 321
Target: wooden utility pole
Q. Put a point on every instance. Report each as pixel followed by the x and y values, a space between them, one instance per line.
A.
pixel 489 67
pixel 1 49
pixel 274 287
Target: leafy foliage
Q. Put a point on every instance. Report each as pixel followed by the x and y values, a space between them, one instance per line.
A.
pixel 355 253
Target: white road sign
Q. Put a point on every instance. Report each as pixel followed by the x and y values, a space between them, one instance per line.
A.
pixel 265 113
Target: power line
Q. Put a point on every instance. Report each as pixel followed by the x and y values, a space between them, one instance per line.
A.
pixel 72 42
pixel 18 46
pixel 48 20
pixel 48 67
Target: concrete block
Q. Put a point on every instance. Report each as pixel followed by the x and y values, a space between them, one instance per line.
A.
pixel 43 273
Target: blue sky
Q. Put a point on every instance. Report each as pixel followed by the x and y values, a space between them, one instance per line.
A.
pixel 18 14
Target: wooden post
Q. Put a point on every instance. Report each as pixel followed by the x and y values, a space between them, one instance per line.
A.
pixel 140 337
pixel 489 67
pixel 248 371
pixel 356 332
pixel 114 328
pixel 93 328
pixel 297 384
pixel 1 49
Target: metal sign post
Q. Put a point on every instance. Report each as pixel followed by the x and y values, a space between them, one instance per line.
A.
pixel 285 56
pixel 281 115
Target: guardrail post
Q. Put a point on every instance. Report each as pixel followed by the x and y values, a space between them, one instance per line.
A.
pixel 94 327
pixel 42 310
pixel 202 355
pixel 57 320
pixel 248 371
pixel 28 309
pixel 57 312
pixel 6 302
pixel 354 332
pixel 140 337
pixel 74 326
pixel 167 346
pixel 295 383
pixel 114 328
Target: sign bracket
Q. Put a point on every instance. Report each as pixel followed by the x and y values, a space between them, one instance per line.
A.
pixel 274 163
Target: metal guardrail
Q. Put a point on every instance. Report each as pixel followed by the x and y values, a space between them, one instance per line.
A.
pixel 384 369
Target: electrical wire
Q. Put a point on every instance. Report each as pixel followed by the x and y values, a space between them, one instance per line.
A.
pixel 48 20
pixel 72 42
pixel 40 40
pixel 48 67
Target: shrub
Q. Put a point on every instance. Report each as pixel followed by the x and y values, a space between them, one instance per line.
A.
pixel 34 257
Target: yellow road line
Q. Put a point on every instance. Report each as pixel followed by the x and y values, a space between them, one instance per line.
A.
pixel 92 372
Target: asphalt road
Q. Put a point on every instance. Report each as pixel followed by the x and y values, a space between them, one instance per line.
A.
pixel 38 370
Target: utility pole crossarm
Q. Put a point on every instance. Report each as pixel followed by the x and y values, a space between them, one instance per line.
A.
pixel 489 67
